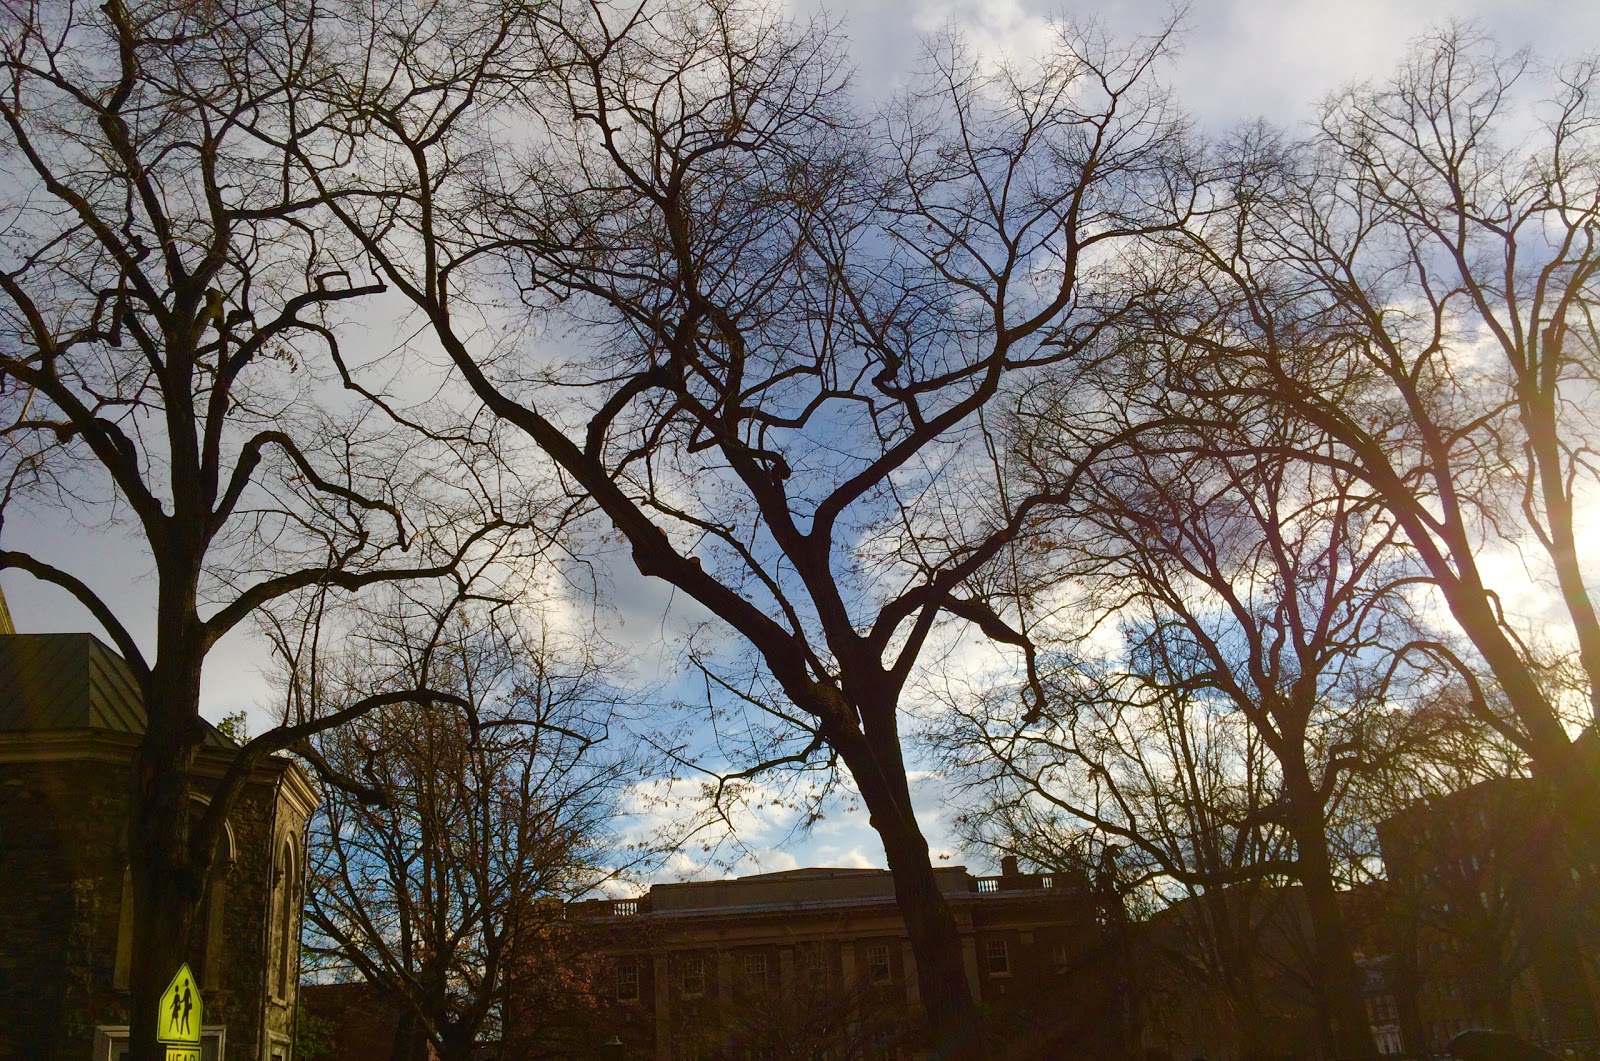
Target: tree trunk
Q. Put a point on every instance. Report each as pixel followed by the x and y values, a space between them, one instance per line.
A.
pixel 1540 418
pixel 1228 936
pixel 1249 1024
pixel 1575 785
pixel 166 887
pixel 1558 906
pixel 406 1038
pixel 953 1016
pixel 1473 609
pixel 168 882
pixel 1338 978
pixel 1405 953
pixel 161 924
pixel 1489 999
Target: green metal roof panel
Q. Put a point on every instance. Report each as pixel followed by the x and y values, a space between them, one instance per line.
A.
pixel 72 681
pixel 114 700
pixel 44 681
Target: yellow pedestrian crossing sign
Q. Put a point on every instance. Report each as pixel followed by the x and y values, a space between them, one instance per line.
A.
pixel 179 1016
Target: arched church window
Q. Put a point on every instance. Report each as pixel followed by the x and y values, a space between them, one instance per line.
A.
pixel 285 963
pixel 205 950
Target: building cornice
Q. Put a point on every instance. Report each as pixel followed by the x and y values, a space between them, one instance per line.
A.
pixel 62 745
pixel 298 788
pixel 106 746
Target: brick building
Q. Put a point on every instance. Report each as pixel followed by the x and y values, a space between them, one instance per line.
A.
pixel 1482 922
pixel 1252 938
pixel 816 963
pixel 1488 921
pixel 352 1022
pixel 70 722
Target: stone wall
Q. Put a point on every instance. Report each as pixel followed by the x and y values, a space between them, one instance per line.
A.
pixel 63 866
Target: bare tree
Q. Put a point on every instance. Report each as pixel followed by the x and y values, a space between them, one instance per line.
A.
pixel 1170 791
pixel 1418 280
pixel 785 321
pixel 164 289
pixel 444 866
pixel 1265 621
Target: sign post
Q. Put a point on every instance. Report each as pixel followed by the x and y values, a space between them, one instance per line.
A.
pixel 179 1017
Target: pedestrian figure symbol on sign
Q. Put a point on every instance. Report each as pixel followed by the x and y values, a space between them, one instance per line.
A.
pixel 181 1012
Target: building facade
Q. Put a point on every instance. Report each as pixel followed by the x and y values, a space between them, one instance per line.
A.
pixel 815 963
pixel 70 723
pixel 1482 922
pixel 1489 921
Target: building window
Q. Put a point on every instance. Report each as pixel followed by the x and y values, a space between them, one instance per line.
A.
pixel 817 967
pixel 755 968
pixel 628 982
pixel 111 1043
pixel 288 921
pixel 878 962
pixel 694 977
pixel 999 959
pixel 124 967
pixel 205 958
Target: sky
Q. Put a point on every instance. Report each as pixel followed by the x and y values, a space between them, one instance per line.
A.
pixel 1237 60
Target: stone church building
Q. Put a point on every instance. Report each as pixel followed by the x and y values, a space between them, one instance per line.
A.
pixel 70 721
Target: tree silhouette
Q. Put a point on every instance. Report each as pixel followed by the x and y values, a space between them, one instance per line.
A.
pixel 1416 280
pixel 783 322
pixel 164 293
pixel 446 871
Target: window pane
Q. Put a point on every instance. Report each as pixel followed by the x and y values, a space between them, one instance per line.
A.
pixel 878 962
pixel 628 982
pixel 694 976
pixel 755 968
pixel 817 966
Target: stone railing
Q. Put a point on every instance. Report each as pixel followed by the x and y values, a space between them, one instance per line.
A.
pixel 1017 883
pixel 595 909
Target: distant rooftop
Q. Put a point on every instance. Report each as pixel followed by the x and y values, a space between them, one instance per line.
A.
pixel 815 873
pixel 71 681
pixel 816 888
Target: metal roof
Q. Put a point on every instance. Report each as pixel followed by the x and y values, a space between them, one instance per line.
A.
pixel 71 681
